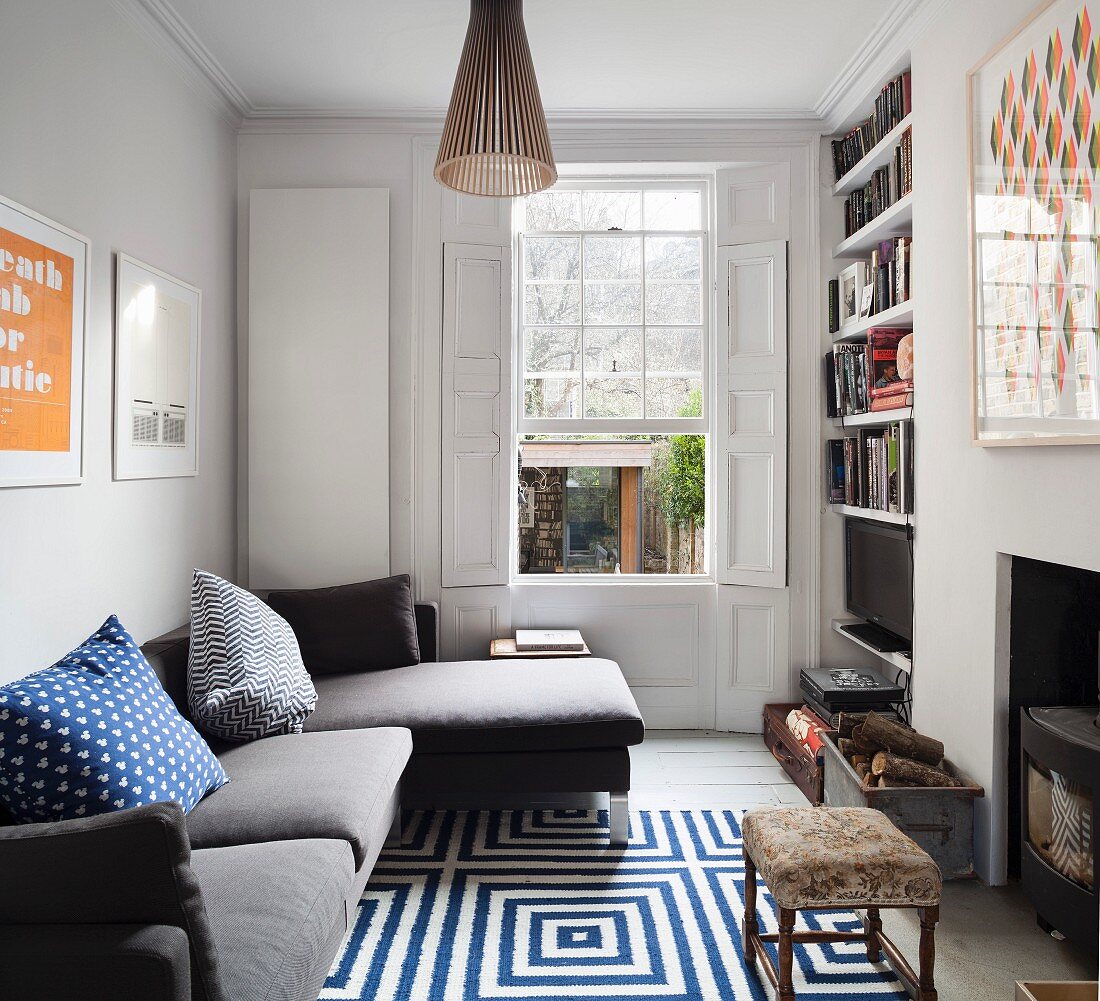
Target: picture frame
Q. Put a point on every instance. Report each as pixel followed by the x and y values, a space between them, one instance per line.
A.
pixel 866 301
pixel 1033 233
pixel 43 324
pixel 852 281
pixel 157 352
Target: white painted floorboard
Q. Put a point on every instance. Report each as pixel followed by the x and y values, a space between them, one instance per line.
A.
pixel 706 768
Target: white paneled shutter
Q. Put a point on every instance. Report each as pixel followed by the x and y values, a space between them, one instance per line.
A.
pixel 477 390
pixel 751 326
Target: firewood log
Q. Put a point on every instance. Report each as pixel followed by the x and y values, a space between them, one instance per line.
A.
pixel 858 759
pixel 847 721
pixel 862 769
pixel 846 747
pixel 885 783
pixel 862 743
pixel 900 740
pixel 907 770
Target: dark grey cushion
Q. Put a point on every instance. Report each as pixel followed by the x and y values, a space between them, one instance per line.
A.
pixel 315 785
pixel 278 914
pixel 369 626
pixel 129 867
pixel 100 963
pixel 483 705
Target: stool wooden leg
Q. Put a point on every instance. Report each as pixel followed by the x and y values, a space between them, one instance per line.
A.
pixel 929 916
pixel 786 955
pixel 874 927
pixel 750 927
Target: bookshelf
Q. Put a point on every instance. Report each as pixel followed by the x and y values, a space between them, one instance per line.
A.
pixel 881 174
pixel 879 156
pixel 897 220
pixel 874 418
pixel 900 315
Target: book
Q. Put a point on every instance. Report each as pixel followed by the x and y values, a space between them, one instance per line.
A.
pixel 882 345
pixel 873 469
pixel 533 640
pixel 834 467
pixel 834 305
pixel 894 402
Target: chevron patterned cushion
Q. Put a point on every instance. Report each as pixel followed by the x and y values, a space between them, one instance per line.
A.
pixel 245 677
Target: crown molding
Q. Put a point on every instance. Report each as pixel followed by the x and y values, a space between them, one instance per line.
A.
pixel 678 123
pixel 884 53
pixel 160 24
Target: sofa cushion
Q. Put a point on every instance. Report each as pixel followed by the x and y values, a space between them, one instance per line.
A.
pixel 314 785
pixel 245 674
pixel 488 705
pixel 97 732
pixel 278 914
pixel 369 626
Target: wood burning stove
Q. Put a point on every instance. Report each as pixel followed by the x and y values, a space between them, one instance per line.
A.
pixel 1059 774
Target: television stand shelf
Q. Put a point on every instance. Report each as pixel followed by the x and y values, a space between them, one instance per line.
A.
pixel 899 661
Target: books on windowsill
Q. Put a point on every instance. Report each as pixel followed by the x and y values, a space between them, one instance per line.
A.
pixel 538 640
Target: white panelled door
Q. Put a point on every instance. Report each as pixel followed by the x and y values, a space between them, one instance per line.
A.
pixel 751 464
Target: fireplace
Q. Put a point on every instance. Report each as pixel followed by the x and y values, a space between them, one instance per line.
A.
pixel 1054 743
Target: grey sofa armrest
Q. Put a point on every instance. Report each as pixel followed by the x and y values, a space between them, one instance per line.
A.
pixel 427 630
pixel 126 868
pixel 95 963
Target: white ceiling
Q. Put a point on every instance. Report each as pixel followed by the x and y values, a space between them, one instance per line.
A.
pixel 612 56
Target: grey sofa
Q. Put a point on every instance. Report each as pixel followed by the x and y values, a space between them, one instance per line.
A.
pixel 250 895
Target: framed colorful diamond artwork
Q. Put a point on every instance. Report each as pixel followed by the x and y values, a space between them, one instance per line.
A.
pixel 1034 121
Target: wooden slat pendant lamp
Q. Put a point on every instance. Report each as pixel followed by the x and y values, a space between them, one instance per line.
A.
pixel 495 141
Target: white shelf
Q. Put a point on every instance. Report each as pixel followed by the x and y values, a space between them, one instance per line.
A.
pixel 875 418
pixel 900 315
pixel 879 155
pixel 871 514
pixel 897 220
pixel 896 660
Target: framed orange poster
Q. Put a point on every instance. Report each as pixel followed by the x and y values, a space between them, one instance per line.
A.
pixel 43 310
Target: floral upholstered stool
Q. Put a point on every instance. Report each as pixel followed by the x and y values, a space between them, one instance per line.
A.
pixel 819 859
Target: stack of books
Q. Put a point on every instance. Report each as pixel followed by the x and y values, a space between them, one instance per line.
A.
pixel 549 640
pixel 873 469
pixel 861 378
pixel 891 106
pixel 887 185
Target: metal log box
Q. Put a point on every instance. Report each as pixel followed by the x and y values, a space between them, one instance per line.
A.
pixel 940 819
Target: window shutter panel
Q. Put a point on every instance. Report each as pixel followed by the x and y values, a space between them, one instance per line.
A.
pixel 753 204
pixel 476 410
pixel 751 439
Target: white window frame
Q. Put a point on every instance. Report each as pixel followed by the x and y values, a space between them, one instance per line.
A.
pixel 622 425
pixel 704 184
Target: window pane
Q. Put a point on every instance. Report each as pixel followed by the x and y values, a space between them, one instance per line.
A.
pixel 613 349
pixel 552 349
pixel 552 258
pixel 552 304
pixel 678 258
pixel 611 257
pixel 551 210
pixel 613 398
pixel 673 303
pixel 674 349
pixel 673 210
pixel 620 303
pixel 673 397
pixel 552 397
pixel 612 209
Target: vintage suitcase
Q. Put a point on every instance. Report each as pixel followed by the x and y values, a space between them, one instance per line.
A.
pixel 940 820
pixel 803 769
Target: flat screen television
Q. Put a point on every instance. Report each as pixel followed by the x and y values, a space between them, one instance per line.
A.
pixel 879 575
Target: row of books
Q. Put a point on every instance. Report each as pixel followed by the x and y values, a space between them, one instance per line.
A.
pixel 876 376
pixel 891 106
pixel 873 469
pixel 887 185
pixel 891 266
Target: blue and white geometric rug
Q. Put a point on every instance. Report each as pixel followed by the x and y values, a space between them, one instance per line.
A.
pixel 510 905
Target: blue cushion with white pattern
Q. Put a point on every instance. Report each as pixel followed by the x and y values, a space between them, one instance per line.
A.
pixel 96 733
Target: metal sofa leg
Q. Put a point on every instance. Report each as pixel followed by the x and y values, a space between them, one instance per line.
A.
pixel 619 817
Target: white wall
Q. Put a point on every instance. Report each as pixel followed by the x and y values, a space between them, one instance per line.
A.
pixel 103 134
pixel 972 502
